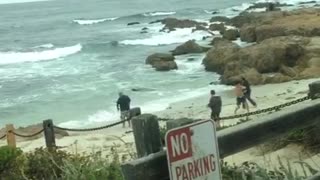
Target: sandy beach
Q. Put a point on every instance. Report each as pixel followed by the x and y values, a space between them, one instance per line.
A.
pixel 122 139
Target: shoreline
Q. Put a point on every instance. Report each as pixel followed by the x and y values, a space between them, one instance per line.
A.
pixel 265 95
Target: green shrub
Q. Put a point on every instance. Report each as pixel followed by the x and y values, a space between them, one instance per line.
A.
pixel 41 164
pixel 9 165
pixel 93 167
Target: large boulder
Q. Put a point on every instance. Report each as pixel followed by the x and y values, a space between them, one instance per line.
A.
pixel 220 19
pixel 248 33
pixel 231 34
pixel 277 78
pixel 162 61
pixel 188 47
pixel 285 57
pixel 219 55
pixel 269 55
pixel 173 23
pixel 217 27
pixel 235 71
pixel 288 71
pixel 266 31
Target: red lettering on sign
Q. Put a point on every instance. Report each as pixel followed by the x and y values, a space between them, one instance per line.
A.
pixel 190 168
pixel 206 165
pixel 179 144
pixel 196 168
pixel 184 173
pixel 213 164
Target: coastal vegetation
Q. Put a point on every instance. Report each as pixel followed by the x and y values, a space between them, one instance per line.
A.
pixel 42 164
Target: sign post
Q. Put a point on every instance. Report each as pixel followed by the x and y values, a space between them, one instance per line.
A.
pixel 193 153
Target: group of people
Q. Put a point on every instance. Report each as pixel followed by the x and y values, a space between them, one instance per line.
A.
pixel 242 92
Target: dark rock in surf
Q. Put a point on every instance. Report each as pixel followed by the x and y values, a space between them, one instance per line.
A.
pixel 173 23
pixel 220 19
pixel 156 21
pixel 132 23
pixel 162 61
pixel 188 47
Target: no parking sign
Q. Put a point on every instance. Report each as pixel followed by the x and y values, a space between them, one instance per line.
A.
pixel 193 153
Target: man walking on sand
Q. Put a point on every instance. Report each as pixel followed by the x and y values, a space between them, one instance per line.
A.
pixel 123 104
pixel 239 90
pixel 215 104
pixel 247 93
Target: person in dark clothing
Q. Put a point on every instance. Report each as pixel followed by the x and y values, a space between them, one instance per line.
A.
pixel 215 104
pixel 123 104
pixel 247 92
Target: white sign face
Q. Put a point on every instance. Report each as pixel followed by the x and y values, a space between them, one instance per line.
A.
pixel 193 153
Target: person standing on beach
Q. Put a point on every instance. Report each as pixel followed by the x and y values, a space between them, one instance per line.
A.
pixel 247 92
pixel 215 105
pixel 123 104
pixel 239 90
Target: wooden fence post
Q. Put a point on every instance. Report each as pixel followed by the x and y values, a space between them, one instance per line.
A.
pixel 11 138
pixel 146 134
pixel 314 90
pixel 49 134
pixel 135 112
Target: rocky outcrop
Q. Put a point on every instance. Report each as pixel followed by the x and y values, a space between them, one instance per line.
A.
pixel 219 55
pixel 285 58
pixel 217 27
pixel 173 23
pixel 261 26
pixel 220 19
pixel 231 34
pixel 248 34
pixel 162 61
pixel 267 5
pixel 188 47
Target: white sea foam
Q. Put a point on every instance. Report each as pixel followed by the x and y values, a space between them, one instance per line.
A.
pixel 45 46
pixel 163 38
pixel 190 66
pixel 19 1
pixel 160 13
pixel 93 21
pixel 20 57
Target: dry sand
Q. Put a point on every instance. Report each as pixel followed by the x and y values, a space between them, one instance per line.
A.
pixel 265 95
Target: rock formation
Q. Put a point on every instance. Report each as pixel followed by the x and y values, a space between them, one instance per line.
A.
pixel 162 61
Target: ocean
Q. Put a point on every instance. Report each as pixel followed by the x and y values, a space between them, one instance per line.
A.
pixel 67 60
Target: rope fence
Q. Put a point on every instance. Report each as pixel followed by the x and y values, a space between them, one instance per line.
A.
pixel 49 127
pixel 266 110
pixel 27 136
pixel 91 129
pixel 2 137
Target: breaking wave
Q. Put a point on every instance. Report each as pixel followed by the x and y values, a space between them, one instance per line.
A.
pixel 20 57
pixel 93 21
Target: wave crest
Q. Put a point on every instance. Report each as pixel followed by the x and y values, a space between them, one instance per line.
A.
pixel 20 57
pixel 177 36
pixel 159 13
pixel 93 21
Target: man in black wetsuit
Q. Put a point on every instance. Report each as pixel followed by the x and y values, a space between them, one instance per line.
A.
pixel 123 104
pixel 215 104
pixel 247 92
